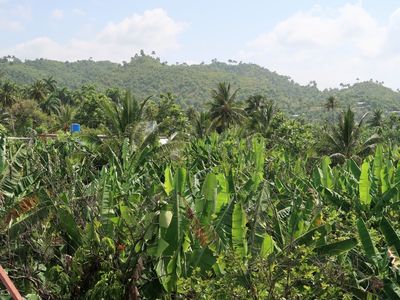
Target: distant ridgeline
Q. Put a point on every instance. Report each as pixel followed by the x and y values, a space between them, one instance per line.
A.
pixel 191 84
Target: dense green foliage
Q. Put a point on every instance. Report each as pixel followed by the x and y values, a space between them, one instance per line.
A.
pixel 146 75
pixel 237 201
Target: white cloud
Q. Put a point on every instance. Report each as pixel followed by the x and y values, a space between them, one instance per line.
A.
pixel 78 12
pixel 57 14
pixel 13 16
pixel 330 45
pixel 153 30
pixel 21 11
pixel 7 25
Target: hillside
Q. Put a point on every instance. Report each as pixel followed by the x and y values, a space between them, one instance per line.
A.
pixel 146 75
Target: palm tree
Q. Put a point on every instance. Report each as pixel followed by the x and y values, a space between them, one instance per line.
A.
pixel 51 105
pixel 114 94
pixel 200 123
pixel 262 120
pixel 8 94
pixel 65 117
pixel 344 140
pixel 254 103
pixel 223 111
pixel 65 96
pixel 376 120
pixel 38 91
pixel 331 105
pixel 260 113
pixel 50 83
pixel 125 115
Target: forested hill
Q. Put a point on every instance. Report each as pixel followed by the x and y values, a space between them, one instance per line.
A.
pixel 191 84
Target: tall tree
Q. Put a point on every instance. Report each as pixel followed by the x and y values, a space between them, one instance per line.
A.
pixel 38 91
pixel 8 94
pixel 224 111
pixel 50 83
pixel 344 140
pixel 125 115
pixel 65 117
pixel 376 120
pixel 260 112
pixel 51 105
pixel 65 96
pixel 331 105
pixel 255 103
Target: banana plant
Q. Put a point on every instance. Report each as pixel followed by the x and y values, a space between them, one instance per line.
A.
pixel 383 274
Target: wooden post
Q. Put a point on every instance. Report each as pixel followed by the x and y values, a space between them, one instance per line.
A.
pixel 9 285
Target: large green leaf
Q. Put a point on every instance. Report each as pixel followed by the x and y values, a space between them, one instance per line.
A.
pixel 69 227
pixel 390 234
pixel 180 181
pixel 310 236
pixel 239 229
pixel 337 247
pixel 223 193
pixel 168 182
pixel 354 169
pixel 378 162
pixel 2 154
pixel 176 228
pixel 327 177
pixel 209 190
pixel 165 218
pixel 364 185
pixel 366 240
pixel 385 178
pixel 258 149
pixel 267 246
pixel 391 289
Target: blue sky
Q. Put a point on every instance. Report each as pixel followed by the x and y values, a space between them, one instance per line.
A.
pixel 327 41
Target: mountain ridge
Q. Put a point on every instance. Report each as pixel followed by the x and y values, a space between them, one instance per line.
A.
pixel 146 75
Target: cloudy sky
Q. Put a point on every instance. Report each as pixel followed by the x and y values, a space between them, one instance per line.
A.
pixel 327 41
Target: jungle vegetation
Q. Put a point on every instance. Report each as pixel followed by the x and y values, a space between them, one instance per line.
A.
pixel 231 200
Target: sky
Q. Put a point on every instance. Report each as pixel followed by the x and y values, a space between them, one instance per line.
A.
pixel 331 42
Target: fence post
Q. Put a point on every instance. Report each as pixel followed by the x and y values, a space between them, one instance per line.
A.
pixel 9 285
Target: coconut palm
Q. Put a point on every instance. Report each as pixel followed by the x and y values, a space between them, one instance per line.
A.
pixel 376 120
pixel 65 117
pixel 8 94
pixel 125 115
pixel 224 111
pixel 51 105
pixel 331 105
pixel 114 94
pixel 50 83
pixel 200 123
pixel 344 140
pixel 260 112
pixel 38 91
pixel 65 96
pixel 255 103
pixel 262 119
